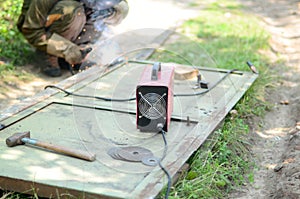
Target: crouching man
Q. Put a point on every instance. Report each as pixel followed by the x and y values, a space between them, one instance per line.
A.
pixel 60 30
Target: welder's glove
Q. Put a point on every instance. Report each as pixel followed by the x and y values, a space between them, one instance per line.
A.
pixel 120 12
pixel 61 47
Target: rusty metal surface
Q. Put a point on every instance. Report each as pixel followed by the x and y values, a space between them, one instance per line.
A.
pixel 97 126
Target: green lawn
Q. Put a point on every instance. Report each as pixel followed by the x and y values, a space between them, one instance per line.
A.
pixel 14 50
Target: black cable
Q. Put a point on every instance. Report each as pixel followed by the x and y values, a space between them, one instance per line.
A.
pixel 89 96
pixel 165 142
pixel 209 89
pixel 133 98
pixel 163 168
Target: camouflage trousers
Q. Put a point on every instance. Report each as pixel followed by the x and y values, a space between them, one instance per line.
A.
pixel 68 19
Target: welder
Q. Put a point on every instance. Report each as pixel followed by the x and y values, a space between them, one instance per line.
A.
pixel 61 30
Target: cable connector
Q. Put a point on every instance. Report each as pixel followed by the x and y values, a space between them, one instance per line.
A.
pixel 117 61
pixel 252 67
pixel 2 126
pixel 160 127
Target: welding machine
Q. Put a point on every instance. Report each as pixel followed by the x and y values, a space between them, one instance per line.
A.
pixel 154 98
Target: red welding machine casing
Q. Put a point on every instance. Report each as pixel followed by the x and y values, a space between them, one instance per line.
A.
pixel 154 98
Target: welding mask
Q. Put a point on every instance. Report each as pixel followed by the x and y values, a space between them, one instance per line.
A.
pixel 110 12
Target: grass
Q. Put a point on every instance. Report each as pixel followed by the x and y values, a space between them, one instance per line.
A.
pixel 222 36
pixel 14 50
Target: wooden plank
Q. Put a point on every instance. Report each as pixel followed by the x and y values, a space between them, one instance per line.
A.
pixel 185 72
pixel 91 125
pixel 96 132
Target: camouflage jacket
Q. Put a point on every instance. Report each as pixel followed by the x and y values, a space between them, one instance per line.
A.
pixel 32 21
pixel 35 20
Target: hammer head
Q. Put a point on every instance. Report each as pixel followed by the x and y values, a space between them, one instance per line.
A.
pixel 16 139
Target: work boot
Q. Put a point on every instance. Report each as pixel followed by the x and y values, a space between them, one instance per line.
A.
pixel 52 68
pixel 47 63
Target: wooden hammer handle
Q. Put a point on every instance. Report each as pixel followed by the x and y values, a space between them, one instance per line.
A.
pixel 60 149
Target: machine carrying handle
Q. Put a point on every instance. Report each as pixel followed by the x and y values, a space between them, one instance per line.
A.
pixel 155 70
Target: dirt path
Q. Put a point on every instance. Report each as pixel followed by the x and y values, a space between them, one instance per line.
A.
pixel 276 145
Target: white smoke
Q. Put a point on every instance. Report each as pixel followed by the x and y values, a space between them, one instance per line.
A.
pixel 100 4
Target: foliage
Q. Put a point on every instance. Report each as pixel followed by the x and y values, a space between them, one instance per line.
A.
pixel 218 165
pixel 14 50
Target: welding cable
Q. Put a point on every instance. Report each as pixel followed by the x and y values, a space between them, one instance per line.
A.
pixel 89 96
pixel 210 88
pixel 227 73
pixel 133 98
pixel 163 133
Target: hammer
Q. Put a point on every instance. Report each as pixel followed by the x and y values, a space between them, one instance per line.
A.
pixel 24 138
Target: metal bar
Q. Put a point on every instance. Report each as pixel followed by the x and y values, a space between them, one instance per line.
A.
pixel 198 67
